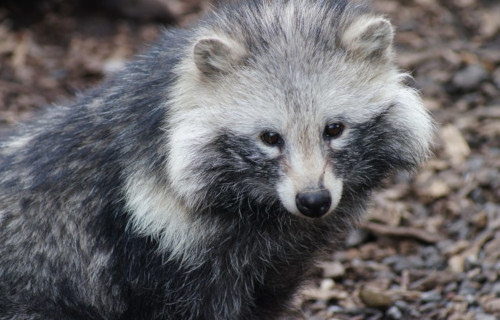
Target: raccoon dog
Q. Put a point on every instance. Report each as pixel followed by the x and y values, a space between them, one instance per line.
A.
pixel 205 179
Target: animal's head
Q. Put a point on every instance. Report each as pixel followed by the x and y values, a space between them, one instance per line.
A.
pixel 291 103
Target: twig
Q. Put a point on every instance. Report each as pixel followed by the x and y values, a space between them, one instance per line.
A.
pixel 400 232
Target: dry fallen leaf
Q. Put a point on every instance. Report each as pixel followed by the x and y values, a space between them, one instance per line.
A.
pixel 456 147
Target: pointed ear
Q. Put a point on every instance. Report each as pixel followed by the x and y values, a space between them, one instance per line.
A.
pixel 215 56
pixel 369 37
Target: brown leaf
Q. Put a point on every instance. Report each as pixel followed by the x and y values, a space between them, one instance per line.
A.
pixel 455 144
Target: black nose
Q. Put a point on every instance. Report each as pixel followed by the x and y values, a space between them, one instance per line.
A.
pixel 314 203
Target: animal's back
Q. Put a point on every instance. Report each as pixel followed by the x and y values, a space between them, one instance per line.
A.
pixel 204 180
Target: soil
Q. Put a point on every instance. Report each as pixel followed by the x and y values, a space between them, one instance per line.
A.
pixel 429 247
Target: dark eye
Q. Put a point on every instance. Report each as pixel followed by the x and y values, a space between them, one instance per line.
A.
pixel 334 130
pixel 271 138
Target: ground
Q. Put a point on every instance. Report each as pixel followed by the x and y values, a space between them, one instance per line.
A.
pixel 430 246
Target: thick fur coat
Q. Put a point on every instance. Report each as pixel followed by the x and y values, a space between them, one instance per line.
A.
pixel 204 180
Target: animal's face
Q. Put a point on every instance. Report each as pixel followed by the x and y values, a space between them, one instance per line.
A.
pixel 299 127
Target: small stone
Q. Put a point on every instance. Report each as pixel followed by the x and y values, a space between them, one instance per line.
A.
pixel 375 298
pixel 459 227
pixel 471 262
pixel 406 263
pixel 335 309
pixel 428 307
pixel 482 316
pixel 492 248
pixel 468 288
pixel 496 289
pixel 487 176
pixel 394 313
pixel 433 258
pixel 333 269
pixel 471 299
pixel 492 306
pixel 327 284
pixel 486 289
pixel 451 287
pixel 431 296
pixel 496 77
pixel 470 77
pixel 402 305
pixel 457 263
pixel 476 274
pixel 475 163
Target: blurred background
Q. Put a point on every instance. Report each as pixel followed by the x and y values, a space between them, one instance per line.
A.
pixel 429 248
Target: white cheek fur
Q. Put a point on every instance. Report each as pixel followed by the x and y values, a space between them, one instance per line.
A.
pixel 341 141
pixel 270 151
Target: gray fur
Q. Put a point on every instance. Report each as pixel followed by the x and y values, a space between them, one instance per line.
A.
pixel 154 195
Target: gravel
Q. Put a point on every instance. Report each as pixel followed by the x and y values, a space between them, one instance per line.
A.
pixel 429 248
